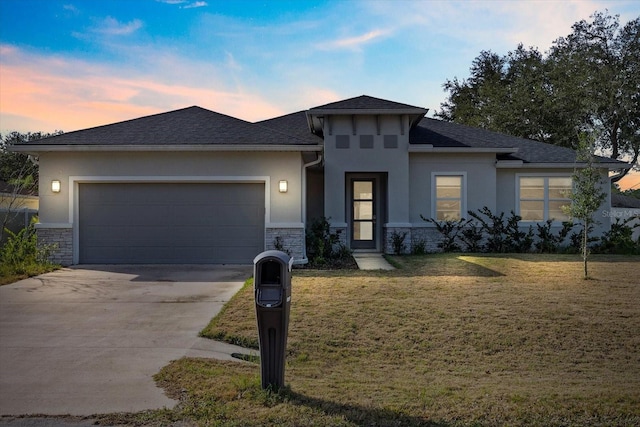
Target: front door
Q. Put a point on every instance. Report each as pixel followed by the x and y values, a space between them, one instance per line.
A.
pixel 363 213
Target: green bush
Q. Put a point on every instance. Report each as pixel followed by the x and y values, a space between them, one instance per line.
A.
pixel 449 230
pixel 418 247
pixel 324 248
pixel 397 242
pixel 21 254
pixel 502 235
pixel 549 242
pixel 619 239
pixel 487 232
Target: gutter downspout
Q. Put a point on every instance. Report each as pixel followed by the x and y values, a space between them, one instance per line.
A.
pixel 304 259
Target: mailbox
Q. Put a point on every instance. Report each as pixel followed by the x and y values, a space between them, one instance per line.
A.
pixel 272 286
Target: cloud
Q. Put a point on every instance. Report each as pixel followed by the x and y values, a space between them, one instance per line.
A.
pixel 71 8
pixel 45 93
pixel 195 4
pixel 353 42
pixel 192 5
pixel 495 25
pixel 112 26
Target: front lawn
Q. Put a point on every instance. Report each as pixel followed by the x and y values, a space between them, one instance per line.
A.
pixel 446 340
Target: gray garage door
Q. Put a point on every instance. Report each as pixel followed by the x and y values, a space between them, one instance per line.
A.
pixel 171 223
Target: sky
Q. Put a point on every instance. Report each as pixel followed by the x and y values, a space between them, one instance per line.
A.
pixel 73 64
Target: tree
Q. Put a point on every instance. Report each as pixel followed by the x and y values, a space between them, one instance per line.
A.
pixel 587 194
pixel 600 62
pixel 588 82
pixel 18 173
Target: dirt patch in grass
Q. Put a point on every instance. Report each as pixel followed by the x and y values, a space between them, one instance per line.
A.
pixel 445 340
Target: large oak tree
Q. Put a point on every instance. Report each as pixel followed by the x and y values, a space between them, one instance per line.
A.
pixel 589 81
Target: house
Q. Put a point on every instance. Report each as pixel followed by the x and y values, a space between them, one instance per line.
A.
pixel 196 186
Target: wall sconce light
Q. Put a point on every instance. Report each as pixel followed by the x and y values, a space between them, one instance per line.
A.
pixel 283 186
pixel 55 186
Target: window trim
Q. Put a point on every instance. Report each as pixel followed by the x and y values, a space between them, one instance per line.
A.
pixel 545 211
pixel 463 193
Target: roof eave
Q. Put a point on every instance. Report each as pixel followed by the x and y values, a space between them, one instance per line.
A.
pixel 35 148
pixel 429 148
pixel 511 164
pixel 368 111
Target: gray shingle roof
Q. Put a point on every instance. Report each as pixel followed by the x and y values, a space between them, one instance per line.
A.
pixel 447 134
pixel 199 126
pixel 294 124
pixel 622 201
pixel 365 102
pixel 187 126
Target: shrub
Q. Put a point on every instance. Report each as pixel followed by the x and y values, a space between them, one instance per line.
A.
pixel 472 236
pixel 21 253
pixel 418 247
pixel 493 226
pixel 619 239
pixel 487 232
pixel 397 242
pixel 449 230
pixel 502 236
pixel 548 242
pixel 323 247
pixel 517 240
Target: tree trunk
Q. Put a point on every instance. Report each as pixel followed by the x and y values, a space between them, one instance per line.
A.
pixel 585 249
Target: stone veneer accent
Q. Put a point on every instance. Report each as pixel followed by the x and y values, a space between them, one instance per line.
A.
pixel 427 235
pixel 291 239
pixel 61 242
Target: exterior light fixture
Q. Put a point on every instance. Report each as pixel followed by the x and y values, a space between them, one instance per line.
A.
pixel 55 186
pixel 283 186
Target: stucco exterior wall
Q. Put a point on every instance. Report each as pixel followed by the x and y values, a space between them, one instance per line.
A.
pixel 479 182
pixel 172 166
pixel 367 155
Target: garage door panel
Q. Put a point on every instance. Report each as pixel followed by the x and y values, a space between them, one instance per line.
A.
pixel 171 223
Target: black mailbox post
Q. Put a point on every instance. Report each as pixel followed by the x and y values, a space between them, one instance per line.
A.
pixel 272 284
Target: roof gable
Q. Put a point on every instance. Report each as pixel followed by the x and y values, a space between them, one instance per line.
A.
pixel 365 102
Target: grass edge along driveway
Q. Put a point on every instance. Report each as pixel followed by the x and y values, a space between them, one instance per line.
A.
pixel 446 340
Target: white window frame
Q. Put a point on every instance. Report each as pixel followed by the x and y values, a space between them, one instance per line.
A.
pixel 545 211
pixel 463 193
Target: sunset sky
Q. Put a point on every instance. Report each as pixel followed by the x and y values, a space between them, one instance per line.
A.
pixel 73 64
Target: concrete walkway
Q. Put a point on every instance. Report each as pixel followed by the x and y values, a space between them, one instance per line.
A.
pixel 83 341
pixel 371 261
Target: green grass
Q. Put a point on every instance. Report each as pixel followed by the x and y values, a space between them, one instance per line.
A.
pixel 446 340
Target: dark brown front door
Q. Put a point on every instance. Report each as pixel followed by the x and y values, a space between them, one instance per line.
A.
pixel 363 214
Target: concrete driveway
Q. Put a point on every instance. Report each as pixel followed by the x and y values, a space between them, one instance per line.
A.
pixel 87 340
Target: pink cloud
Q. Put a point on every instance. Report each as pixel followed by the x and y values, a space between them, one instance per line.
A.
pixel 49 93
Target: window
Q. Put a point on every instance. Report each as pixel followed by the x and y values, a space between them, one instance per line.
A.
pixel 542 197
pixel 449 197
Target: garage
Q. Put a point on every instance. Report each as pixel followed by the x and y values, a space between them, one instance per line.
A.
pixel 170 223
